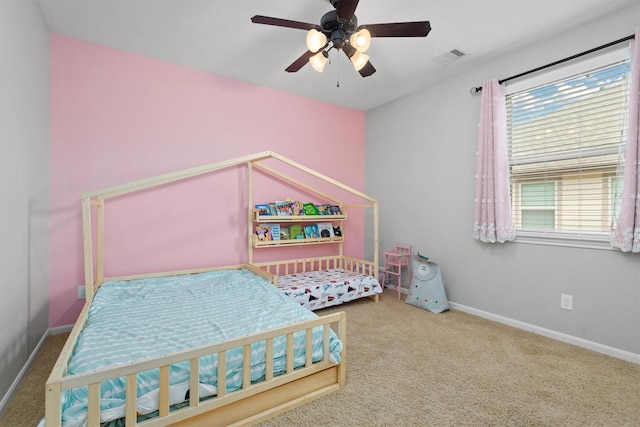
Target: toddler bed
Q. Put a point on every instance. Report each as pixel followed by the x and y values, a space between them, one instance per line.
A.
pixel 186 369
pixel 317 283
pixel 146 347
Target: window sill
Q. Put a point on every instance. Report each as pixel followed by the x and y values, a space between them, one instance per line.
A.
pixel 575 240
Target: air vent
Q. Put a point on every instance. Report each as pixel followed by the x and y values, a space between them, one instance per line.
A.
pixel 449 57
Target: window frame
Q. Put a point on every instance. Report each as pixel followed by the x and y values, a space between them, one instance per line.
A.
pixel 578 239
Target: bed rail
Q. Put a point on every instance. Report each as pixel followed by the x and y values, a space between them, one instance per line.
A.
pixel 307 382
pixel 302 265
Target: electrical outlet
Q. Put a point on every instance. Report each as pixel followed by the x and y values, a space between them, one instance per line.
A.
pixel 566 302
pixel 81 294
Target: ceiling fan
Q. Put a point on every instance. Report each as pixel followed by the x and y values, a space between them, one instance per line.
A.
pixel 339 30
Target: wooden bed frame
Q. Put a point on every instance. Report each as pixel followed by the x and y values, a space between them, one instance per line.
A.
pixel 254 402
pixel 295 266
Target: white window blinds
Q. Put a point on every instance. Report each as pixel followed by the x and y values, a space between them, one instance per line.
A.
pixel 566 146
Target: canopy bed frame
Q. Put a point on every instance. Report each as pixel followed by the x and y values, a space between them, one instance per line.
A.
pixel 254 401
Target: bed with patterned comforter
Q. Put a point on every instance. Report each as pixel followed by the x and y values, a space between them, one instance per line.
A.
pixel 324 288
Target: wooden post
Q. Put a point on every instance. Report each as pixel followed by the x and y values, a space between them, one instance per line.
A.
pixel 100 243
pixel 250 219
pixel 88 248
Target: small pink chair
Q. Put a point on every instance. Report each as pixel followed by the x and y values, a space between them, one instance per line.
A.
pixel 393 263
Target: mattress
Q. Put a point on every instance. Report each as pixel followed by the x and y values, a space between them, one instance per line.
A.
pixel 325 288
pixel 134 320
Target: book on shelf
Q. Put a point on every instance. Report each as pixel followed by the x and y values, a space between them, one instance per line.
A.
pixel 323 209
pixel 335 210
pixel 311 231
pixel 337 232
pixel 262 208
pixel 284 233
pixel 296 232
pixel 275 231
pixel 298 208
pixel 325 229
pixel 310 209
pixel 263 232
pixel 272 209
pixel 284 208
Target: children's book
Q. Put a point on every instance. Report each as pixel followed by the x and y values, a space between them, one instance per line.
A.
pixel 272 209
pixel 298 208
pixel 323 209
pixel 284 233
pixel 263 232
pixel 335 210
pixel 284 208
pixel 275 231
pixel 296 232
pixel 325 229
pixel 310 209
pixel 263 209
pixel 336 231
pixel 311 231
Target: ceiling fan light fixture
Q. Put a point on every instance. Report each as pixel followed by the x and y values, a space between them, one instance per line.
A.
pixel 359 60
pixel 318 61
pixel 315 40
pixel 361 40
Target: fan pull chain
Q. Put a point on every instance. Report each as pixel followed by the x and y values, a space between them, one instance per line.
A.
pixel 338 73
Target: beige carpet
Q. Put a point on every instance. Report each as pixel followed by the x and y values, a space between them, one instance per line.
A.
pixel 409 367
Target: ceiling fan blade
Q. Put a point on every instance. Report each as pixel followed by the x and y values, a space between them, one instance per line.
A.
pixel 346 9
pixel 300 62
pixel 400 29
pixel 278 22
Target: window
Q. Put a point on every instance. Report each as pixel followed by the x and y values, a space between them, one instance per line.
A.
pixel 566 145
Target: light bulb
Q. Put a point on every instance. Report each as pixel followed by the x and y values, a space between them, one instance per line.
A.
pixel 315 40
pixel 361 40
pixel 318 61
pixel 359 60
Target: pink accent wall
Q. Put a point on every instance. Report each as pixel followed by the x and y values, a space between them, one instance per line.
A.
pixel 117 117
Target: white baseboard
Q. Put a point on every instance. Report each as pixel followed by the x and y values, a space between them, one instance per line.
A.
pixel 590 345
pixel 60 329
pixel 16 383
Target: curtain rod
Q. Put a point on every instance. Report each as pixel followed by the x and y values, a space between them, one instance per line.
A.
pixel 477 89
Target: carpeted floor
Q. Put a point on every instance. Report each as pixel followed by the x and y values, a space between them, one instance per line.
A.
pixel 409 367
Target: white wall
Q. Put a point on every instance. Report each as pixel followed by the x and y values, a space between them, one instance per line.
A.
pixel 24 185
pixel 425 145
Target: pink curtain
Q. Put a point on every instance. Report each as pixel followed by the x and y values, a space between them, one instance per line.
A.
pixel 626 236
pixel 492 220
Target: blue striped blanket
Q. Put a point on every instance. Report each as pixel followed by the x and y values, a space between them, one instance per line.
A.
pixel 135 320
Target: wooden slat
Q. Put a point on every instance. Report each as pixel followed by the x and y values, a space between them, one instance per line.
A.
pixel 308 348
pixel 268 375
pixel 88 249
pixel 93 404
pixel 323 177
pixel 53 404
pixel 325 342
pixel 131 400
pixel 133 186
pixel 174 273
pixel 342 333
pixel 250 204
pixel 163 395
pixel 289 353
pixel 194 382
pixel 246 366
pixel 222 374
pixel 100 243
pixel 297 183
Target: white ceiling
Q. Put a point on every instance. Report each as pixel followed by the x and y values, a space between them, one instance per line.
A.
pixel 218 36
